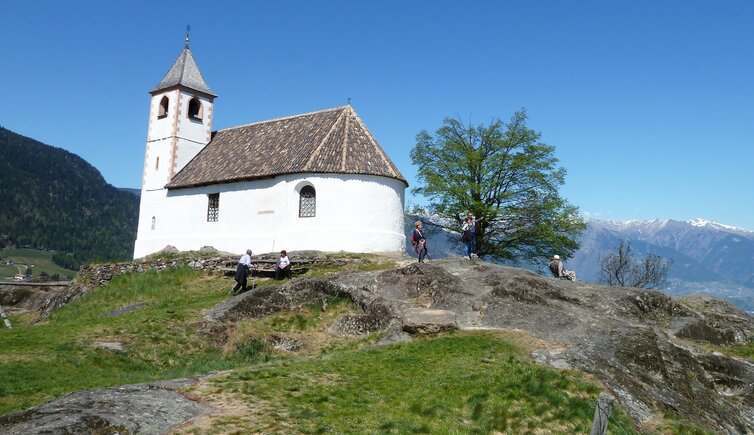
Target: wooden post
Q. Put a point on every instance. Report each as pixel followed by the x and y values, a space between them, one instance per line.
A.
pixel 602 414
pixel 5 318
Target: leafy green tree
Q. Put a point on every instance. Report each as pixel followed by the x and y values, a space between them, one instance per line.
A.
pixel 501 172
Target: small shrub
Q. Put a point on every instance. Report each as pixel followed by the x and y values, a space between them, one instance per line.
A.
pixel 251 350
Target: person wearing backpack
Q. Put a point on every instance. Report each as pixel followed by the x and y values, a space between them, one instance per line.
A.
pixel 419 241
pixel 472 238
pixel 466 237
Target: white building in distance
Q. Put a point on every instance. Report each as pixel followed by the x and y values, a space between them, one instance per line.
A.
pixel 312 181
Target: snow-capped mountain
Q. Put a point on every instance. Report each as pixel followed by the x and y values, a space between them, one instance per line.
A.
pixel 706 254
pixel 718 226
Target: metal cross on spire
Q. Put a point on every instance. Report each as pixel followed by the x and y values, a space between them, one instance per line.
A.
pixel 188 29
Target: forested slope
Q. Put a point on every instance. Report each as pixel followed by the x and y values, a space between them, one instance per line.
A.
pixel 53 199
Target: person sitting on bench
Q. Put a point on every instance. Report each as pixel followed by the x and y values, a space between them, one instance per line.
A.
pixel 283 266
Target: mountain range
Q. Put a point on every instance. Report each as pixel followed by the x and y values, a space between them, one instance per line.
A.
pixel 708 257
pixel 702 251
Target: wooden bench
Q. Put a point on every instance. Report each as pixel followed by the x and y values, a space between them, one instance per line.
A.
pixel 267 267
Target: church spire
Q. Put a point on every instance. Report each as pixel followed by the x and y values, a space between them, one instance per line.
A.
pixel 184 72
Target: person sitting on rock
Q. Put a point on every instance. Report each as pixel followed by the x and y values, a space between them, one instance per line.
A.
pixel 558 271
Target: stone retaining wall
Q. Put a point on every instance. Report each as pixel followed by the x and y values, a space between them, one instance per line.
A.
pixel 102 274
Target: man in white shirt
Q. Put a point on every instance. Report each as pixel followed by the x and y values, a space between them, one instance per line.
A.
pixel 242 270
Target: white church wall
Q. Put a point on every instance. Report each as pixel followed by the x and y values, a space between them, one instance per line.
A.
pixel 355 213
pixel 159 135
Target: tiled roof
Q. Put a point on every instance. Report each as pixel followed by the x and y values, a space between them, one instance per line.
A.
pixel 184 72
pixel 329 141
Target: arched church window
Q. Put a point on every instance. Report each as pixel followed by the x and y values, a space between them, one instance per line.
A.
pixel 213 207
pixel 195 109
pixel 163 110
pixel 307 203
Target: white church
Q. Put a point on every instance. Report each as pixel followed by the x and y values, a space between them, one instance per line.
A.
pixel 312 181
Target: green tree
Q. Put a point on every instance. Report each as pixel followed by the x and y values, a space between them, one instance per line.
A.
pixel 501 172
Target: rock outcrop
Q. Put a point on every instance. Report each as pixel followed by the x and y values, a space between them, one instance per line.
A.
pixel 647 348
pixel 42 298
pixel 650 350
pixel 133 409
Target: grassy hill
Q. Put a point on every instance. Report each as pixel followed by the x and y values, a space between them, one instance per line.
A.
pixel 463 382
pixel 42 261
pixel 53 199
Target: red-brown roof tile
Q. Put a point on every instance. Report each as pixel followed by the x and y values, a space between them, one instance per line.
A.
pixel 329 141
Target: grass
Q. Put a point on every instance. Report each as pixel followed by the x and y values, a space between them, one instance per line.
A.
pixel 470 382
pixel 467 382
pixel 675 425
pixel 740 350
pixel 354 261
pixel 42 361
pixel 323 270
pixel 46 360
pixel 42 261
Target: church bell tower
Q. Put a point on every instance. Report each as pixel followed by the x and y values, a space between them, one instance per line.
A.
pixel 180 121
pixel 180 126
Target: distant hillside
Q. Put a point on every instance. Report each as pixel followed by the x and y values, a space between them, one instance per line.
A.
pixel 53 199
pixel 707 257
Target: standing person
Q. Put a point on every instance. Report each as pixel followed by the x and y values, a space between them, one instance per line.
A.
pixel 472 227
pixel 284 266
pixel 466 237
pixel 419 241
pixel 242 271
pixel 558 271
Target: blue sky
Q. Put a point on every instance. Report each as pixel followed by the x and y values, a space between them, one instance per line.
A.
pixel 650 104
